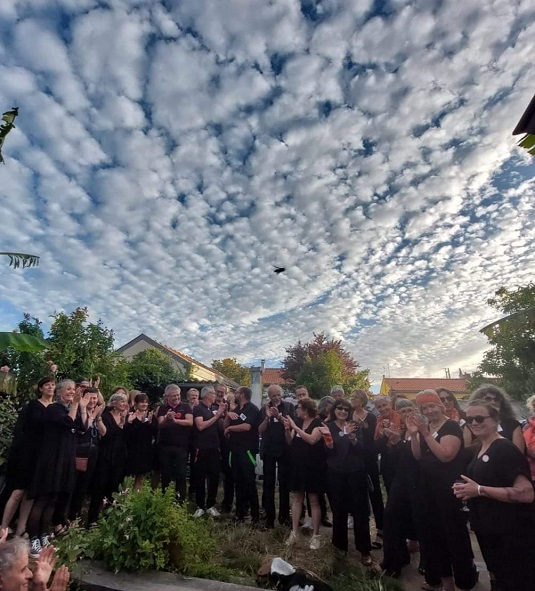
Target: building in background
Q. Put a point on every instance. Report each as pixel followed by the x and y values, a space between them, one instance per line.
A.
pixel 409 387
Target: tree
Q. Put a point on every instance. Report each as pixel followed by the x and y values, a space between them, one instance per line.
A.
pixel 322 363
pixel 230 368
pixel 512 356
pixel 151 370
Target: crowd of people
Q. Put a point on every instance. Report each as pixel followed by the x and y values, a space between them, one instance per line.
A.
pixel 443 469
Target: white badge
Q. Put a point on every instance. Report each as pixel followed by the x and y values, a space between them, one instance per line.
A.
pixel 243 417
pixel 485 458
pixel 214 412
pixel 342 433
pixel 275 420
pixel 435 434
pixel 500 428
pixel 462 422
pixel 297 435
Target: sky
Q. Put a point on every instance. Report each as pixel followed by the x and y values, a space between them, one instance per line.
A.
pixel 167 154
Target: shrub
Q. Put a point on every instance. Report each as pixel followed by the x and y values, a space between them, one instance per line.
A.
pixel 8 417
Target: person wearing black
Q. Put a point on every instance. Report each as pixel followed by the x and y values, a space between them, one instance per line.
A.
pixel 275 454
pixel 24 452
pixel 175 422
pixel 437 444
pixel 242 429
pixel 140 430
pixel 228 479
pixel 111 463
pixel 207 455
pixel 346 476
pixel 500 496
pixel 55 473
pixel 88 436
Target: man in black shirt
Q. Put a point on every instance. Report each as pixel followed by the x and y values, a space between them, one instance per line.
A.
pixel 228 478
pixel 242 430
pixel 175 420
pixel 207 453
pixel 275 452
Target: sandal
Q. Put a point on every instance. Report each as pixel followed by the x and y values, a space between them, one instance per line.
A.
pixel 377 544
pixel 62 530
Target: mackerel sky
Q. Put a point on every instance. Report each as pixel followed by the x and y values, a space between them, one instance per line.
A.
pixel 168 153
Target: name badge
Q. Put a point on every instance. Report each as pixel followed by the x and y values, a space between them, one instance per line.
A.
pixel 243 417
pixel 341 433
pixel 500 428
pixel 435 434
pixel 275 420
pixel 462 423
pixel 297 435
pixel 214 412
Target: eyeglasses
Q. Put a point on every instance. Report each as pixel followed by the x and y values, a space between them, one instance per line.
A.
pixel 342 409
pixel 477 419
pixel 489 398
pixel 446 399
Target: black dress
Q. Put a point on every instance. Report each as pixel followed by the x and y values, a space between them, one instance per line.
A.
pixel 505 531
pixel 139 437
pixel 26 445
pixel 55 472
pixel 308 462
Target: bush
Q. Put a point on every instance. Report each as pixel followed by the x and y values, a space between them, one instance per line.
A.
pixel 8 417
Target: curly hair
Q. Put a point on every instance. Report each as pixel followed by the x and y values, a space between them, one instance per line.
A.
pixel 506 408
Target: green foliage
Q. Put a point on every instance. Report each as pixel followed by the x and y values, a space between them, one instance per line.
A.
pixel 512 356
pixel 230 368
pixel 22 342
pixel 151 370
pixel 8 417
pixel 147 529
pixel 16 259
pixel 322 363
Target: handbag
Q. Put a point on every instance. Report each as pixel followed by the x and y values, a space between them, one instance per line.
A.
pixel 81 464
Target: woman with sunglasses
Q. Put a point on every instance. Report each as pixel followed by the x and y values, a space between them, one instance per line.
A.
pixel 508 426
pixel 451 405
pixel 346 476
pixel 437 444
pixel 500 496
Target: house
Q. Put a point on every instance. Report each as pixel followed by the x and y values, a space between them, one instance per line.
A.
pixel 273 375
pixel 409 387
pixel 197 371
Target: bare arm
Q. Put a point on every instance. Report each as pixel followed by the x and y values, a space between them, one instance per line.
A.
pixel 201 424
pixel 262 428
pixel 446 449
pixel 520 492
pixel 310 438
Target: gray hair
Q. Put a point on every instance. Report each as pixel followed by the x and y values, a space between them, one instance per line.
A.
pixel 207 390
pixel 404 403
pixel 382 399
pixel 10 551
pixel 63 384
pixel 277 387
pixel 117 397
pixel 322 404
pixel 337 388
pixel 529 402
pixel 170 388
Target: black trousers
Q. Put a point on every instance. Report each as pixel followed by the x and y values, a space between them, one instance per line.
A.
pixel 83 481
pixel 243 470
pixel 348 494
pixel 173 468
pixel 228 478
pixel 375 495
pixel 270 479
pixel 207 467
pixel 443 532
pixel 47 510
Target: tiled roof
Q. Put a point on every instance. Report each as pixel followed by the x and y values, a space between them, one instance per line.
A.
pixel 273 375
pixel 418 384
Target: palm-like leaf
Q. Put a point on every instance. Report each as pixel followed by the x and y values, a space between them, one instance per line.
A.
pixel 16 259
pixel 22 342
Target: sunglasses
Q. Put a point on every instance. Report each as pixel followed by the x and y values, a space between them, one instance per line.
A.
pixel 490 398
pixel 342 409
pixel 477 419
pixel 446 399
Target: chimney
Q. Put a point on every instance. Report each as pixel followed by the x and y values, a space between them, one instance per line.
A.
pixel 262 365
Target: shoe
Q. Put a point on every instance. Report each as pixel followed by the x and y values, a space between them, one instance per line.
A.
pixel 350 522
pixel 326 523
pixel 45 541
pixel 35 548
pixel 292 538
pixel 213 512
pixel 307 524
pixel 315 542
pixel 198 513
pixel 367 560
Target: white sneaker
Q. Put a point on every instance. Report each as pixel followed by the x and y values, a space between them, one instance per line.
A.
pixel 315 542
pixel 307 523
pixel 292 538
pixel 35 548
pixel 350 522
pixel 45 541
pixel 213 512
pixel 198 513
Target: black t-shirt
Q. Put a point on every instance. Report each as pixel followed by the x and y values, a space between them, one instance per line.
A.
pixel 171 433
pixel 346 456
pixel 499 466
pixel 207 438
pixel 273 439
pixel 303 452
pixel 245 440
pixel 437 473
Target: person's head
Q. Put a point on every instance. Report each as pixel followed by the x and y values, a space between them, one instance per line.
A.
pixel 497 397
pixel 14 572
pixel 46 388
pixel 120 389
pixel 307 407
pixel 359 399
pixel 448 399
pixel 482 418
pixel 132 395
pixel 118 401
pixel 231 400
pixel 81 385
pixel 430 405
pixel 65 390
pixel 172 394
pixel 301 392
pixel 93 397
pixel 530 404
pixel 192 396
pixel 341 410
pixel 141 402
pixel 325 406
pixel 337 392
pixel 243 395
pixel 405 408
pixel 208 395
pixel 220 393
pixel 274 394
pixel 383 404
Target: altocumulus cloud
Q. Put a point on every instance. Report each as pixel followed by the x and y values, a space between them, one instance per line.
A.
pixel 168 153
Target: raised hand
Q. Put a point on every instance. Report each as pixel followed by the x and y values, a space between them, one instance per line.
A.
pixel 3 535
pixel 60 582
pixel 412 426
pixel 44 566
pixel 84 400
